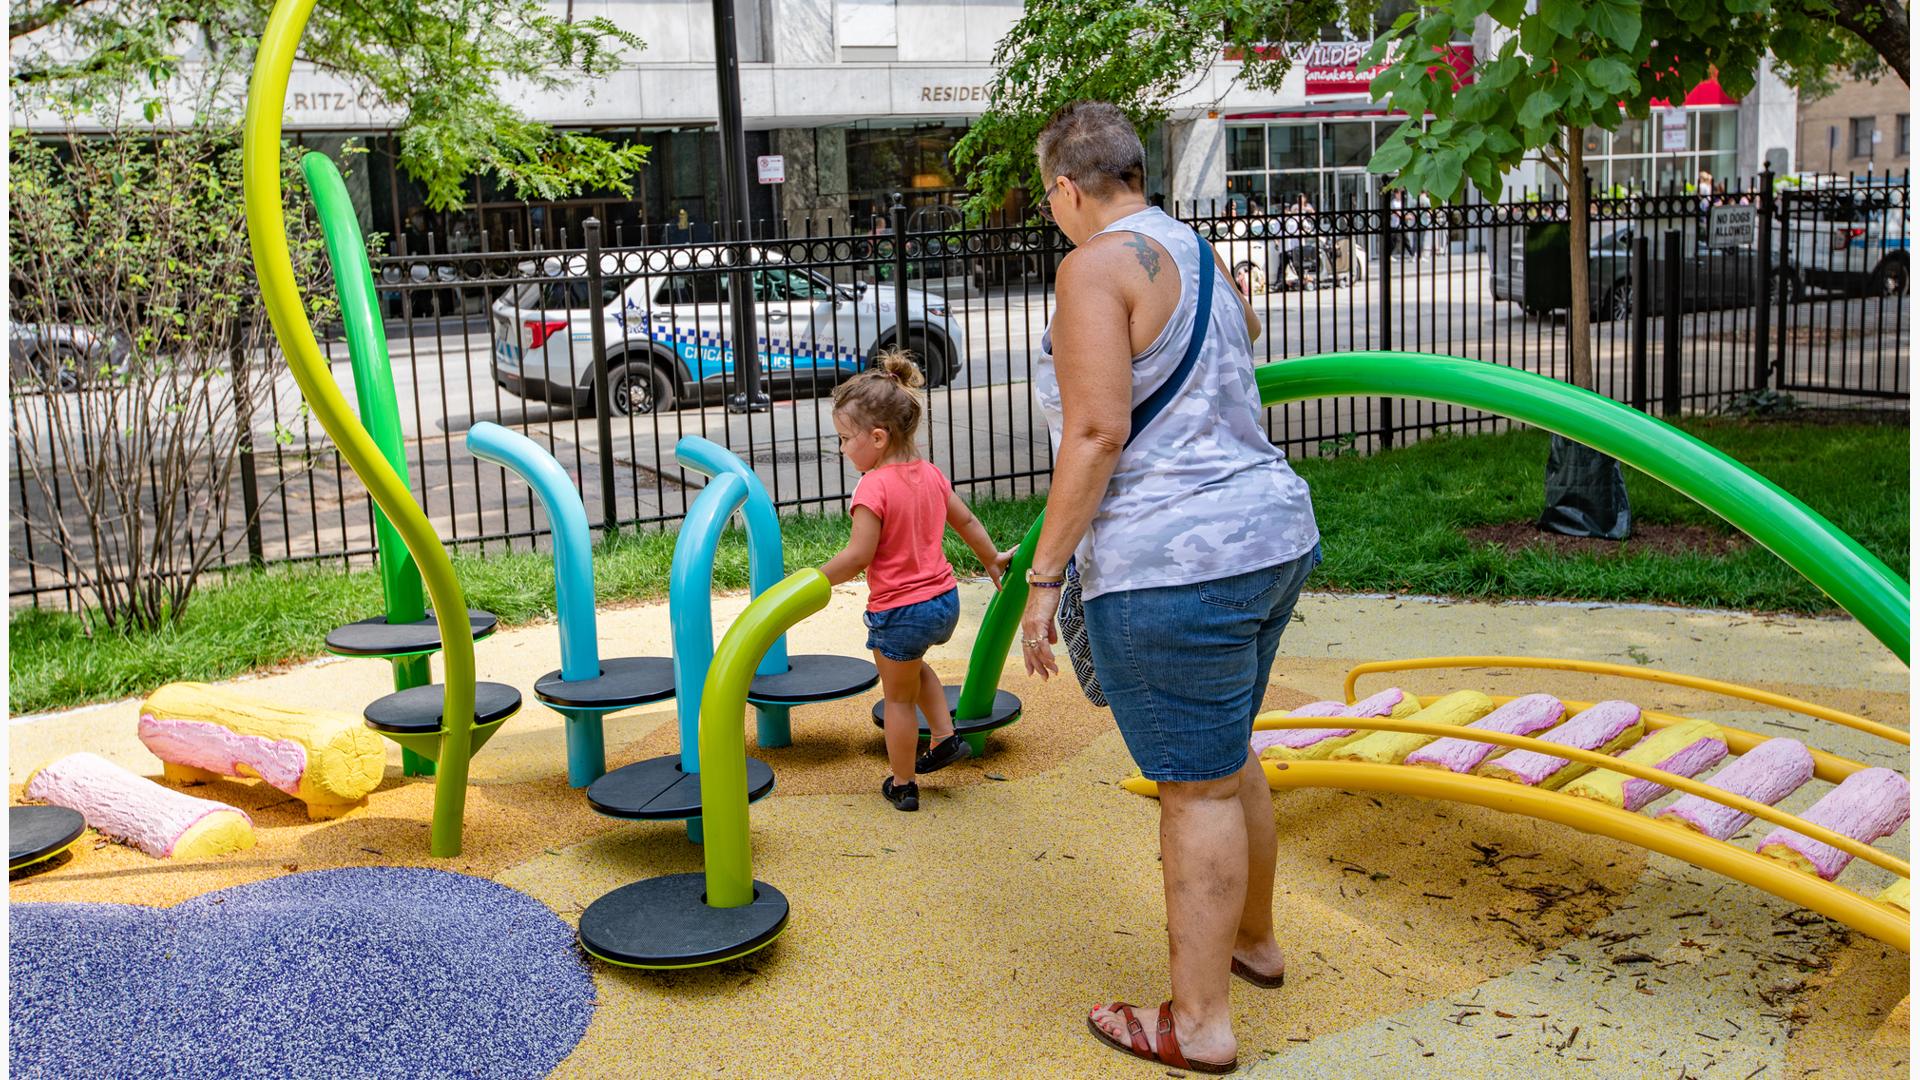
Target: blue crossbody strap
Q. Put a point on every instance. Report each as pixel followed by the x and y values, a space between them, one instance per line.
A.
pixel 1144 412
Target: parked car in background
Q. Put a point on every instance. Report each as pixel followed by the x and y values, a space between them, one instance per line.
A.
pixel 1710 278
pixel 63 356
pixel 1849 238
pixel 669 331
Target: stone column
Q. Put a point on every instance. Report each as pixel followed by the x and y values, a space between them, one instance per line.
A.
pixel 1197 166
pixel 816 187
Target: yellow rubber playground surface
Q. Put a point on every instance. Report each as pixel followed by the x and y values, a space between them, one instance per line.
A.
pixel 970 939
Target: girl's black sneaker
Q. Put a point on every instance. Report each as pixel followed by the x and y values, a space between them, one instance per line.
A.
pixel 942 754
pixel 903 796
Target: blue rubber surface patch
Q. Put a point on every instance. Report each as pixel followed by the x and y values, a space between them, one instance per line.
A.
pixel 361 972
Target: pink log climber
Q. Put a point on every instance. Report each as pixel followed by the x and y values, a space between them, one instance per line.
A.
pixel 328 760
pixel 1868 805
pixel 1301 744
pixel 134 809
pixel 1521 716
pixel 1606 727
pixel 1686 749
pixel 1766 774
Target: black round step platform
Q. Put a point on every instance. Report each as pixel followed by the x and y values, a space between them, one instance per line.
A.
pixel 378 637
pixel 665 922
pixel 1006 709
pixel 36 833
pixel 656 789
pixel 814 677
pixel 412 712
pixel 623 682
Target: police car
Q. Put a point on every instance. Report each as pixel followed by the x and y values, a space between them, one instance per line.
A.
pixel 1848 237
pixel 669 331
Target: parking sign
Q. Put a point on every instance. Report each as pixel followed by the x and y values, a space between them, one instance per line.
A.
pixel 773 169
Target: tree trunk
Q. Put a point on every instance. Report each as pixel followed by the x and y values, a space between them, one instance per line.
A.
pixel 1586 494
pixel 1882 24
pixel 1580 306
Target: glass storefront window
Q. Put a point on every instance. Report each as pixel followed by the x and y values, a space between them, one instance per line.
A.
pixel 1244 149
pixel 1718 130
pixel 1347 145
pixel 1247 194
pixel 1290 146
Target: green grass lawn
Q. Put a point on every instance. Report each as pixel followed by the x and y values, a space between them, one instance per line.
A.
pixel 1392 523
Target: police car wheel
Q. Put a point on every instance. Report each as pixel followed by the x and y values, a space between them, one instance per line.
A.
pixel 639 389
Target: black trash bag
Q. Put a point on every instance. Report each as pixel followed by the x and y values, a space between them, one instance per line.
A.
pixel 1586 493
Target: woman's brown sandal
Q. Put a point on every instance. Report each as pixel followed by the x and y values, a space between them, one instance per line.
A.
pixel 1264 982
pixel 1165 1048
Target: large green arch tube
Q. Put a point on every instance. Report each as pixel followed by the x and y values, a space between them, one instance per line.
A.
pixel 1856 580
pixel 267 234
pixel 1860 583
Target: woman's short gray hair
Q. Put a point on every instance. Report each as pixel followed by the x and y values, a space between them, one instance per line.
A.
pixel 1095 144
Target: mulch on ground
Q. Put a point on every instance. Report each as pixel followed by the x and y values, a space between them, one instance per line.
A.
pixel 1516 536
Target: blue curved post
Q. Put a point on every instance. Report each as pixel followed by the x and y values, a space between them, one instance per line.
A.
pixel 572 581
pixel 690 604
pixel 766 560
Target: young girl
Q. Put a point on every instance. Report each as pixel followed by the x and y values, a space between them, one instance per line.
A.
pixel 901 509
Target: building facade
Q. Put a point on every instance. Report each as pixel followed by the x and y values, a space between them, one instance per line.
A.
pixel 862 98
pixel 1862 127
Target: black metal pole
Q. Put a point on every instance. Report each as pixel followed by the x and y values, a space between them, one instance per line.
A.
pixel 1642 304
pixel 898 211
pixel 1763 272
pixel 734 198
pixel 249 479
pixel 1385 431
pixel 602 401
pixel 1670 339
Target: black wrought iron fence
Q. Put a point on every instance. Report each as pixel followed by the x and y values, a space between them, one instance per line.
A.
pixel 1696 297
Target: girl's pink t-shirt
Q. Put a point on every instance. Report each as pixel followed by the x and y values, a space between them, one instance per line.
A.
pixel 910 499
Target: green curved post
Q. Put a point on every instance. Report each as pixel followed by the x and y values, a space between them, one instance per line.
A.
pixel 1856 580
pixel 1860 583
pixel 379 409
pixel 267 234
pixel 1002 621
pixel 723 735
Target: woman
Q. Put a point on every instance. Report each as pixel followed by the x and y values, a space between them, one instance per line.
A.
pixel 1191 544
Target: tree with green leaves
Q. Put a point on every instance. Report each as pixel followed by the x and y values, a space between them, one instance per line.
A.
pixel 126 225
pixel 440 65
pixel 1558 67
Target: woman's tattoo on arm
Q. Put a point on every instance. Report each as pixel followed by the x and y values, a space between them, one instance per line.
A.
pixel 1149 258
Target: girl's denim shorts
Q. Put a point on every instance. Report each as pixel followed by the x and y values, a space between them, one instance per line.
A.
pixel 907 632
pixel 1185 667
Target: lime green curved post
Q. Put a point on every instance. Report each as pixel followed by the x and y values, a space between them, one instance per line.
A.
pixel 400 584
pixel 1856 580
pixel 989 656
pixel 266 232
pixel 723 732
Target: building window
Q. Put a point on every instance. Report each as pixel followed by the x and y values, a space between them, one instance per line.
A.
pixel 1905 134
pixel 1860 136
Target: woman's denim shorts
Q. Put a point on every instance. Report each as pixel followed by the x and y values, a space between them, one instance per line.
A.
pixel 907 632
pixel 1185 667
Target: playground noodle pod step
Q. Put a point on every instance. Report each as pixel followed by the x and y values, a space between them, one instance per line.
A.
pixel 692 920
pixel 441 724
